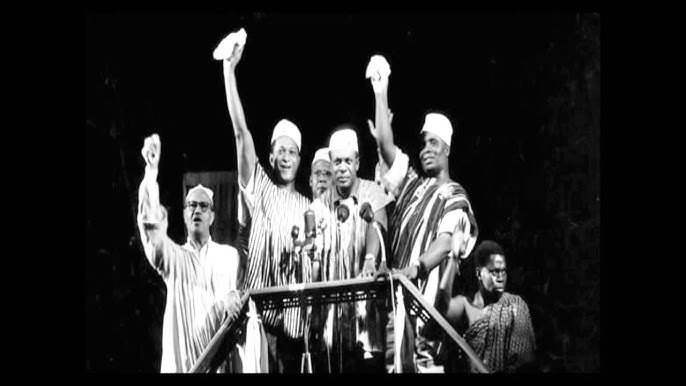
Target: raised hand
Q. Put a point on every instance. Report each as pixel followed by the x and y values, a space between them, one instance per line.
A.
pixel 460 237
pixel 152 148
pixel 232 61
pixel 368 269
pixel 411 271
pixel 372 128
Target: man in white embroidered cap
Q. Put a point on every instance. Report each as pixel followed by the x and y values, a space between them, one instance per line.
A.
pixel 427 210
pixel 353 332
pixel 268 210
pixel 320 173
pixel 200 275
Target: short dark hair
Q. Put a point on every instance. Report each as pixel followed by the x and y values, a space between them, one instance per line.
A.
pixel 478 259
pixel 483 252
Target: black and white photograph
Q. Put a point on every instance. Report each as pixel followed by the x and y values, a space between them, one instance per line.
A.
pixel 342 193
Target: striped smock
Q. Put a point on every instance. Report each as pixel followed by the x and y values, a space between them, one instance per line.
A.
pixel 267 215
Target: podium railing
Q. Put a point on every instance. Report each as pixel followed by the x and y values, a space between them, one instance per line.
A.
pixel 225 337
pixel 320 293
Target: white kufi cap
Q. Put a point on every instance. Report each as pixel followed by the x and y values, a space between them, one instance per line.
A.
pixel 440 125
pixel 345 139
pixel 321 155
pixel 288 129
pixel 207 191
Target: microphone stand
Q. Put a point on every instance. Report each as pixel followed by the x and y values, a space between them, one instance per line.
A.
pixel 306 359
pixel 383 269
pixel 342 214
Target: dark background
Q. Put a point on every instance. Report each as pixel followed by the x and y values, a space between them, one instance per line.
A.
pixel 522 91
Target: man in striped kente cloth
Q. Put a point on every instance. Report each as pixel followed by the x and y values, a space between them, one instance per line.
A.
pixel 427 209
pixel 268 209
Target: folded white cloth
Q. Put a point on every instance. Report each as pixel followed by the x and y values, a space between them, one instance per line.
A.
pixel 254 354
pixel 378 64
pixel 225 47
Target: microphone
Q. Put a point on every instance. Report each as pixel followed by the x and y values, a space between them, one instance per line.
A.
pixel 310 224
pixel 295 232
pixel 310 232
pixel 342 212
pixel 367 213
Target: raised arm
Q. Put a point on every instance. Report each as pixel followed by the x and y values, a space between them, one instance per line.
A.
pixel 152 217
pixel 379 71
pixel 245 147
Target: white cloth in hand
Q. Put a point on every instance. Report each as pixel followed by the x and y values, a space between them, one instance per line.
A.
pixel 225 48
pixel 378 67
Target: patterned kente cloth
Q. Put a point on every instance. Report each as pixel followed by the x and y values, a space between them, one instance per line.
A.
pixel 504 337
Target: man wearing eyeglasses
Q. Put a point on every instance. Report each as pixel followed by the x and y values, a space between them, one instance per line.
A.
pixel 200 275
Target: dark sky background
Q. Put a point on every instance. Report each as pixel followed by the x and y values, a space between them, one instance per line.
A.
pixel 522 91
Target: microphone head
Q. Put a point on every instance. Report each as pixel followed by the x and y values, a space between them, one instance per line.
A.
pixel 310 224
pixel 342 212
pixel 366 212
pixel 295 232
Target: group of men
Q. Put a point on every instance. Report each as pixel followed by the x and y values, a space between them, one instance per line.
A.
pixel 429 220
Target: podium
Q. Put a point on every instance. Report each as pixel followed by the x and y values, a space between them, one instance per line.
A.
pixel 322 293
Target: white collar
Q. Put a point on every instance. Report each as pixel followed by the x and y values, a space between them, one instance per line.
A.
pixel 193 245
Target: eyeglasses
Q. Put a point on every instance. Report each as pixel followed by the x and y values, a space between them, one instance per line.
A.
pixel 495 272
pixel 204 206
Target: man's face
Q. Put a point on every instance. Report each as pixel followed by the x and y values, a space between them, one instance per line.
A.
pixel 285 159
pixel 320 178
pixel 434 154
pixel 198 214
pixel 344 165
pixel 493 276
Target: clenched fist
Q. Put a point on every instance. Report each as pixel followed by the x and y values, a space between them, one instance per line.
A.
pixel 152 148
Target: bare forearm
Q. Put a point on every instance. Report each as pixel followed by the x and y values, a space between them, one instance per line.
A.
pixel 383 128
pixel 438 250
pixel 245 146
pixel 372 243
pixel 449 274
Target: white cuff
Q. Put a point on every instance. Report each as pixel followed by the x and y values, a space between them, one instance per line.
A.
pixel 246 198
pixel 393 178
